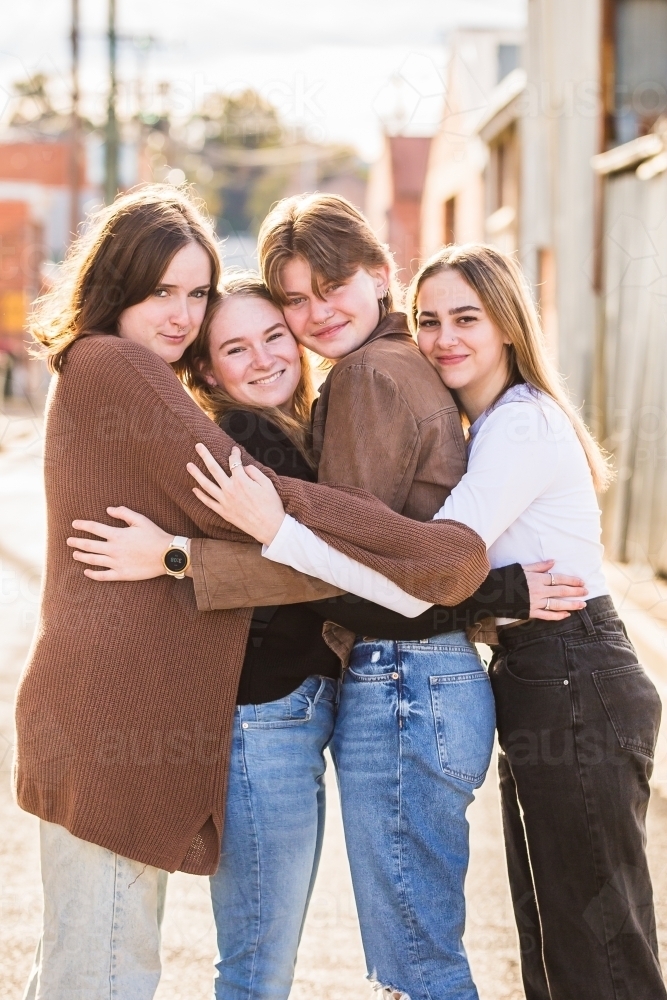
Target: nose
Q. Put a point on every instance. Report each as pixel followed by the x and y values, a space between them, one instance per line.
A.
pixel 320 310
pixel 262 358
pixel 181 314
pixel 448 335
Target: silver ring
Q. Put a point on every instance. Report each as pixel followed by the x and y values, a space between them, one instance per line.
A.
pixel 551 577
pixel 546 606
pixel 235 465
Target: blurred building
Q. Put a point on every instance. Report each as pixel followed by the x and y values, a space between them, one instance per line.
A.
pixel 34 229
pixel 454 207
pixel 395 195
pixel 569 159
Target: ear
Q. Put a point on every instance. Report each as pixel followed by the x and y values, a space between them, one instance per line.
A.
pixel 204 372
pixel 381 276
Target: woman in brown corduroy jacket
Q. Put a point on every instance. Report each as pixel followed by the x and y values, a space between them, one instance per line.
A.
pixel 125 707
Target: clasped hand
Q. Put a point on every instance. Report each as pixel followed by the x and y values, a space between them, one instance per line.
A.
pixel 246 498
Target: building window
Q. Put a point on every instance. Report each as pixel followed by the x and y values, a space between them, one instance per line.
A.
pixel 509 58
pixel 449 221
pixel 634 67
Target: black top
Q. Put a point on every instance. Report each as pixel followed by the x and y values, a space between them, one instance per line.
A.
pixel 285 644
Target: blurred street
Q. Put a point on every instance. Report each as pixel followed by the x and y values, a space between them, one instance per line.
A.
pixel 331 963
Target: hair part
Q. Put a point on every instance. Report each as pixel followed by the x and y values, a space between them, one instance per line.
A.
pixel 118 262
pixel 500 284
pixel 195 365
pixel 332 236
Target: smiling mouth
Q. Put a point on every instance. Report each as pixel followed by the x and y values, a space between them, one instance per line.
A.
pixel 452 359
pixel 328 331
pixel 269 379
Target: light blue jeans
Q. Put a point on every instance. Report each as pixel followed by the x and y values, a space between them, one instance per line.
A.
pixel 101 926
pixel 413 739
pixel 272 839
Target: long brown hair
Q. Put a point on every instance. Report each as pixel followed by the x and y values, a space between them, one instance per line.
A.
pixel 330 234
pixel 195 365
pixel 116 263
pixel 500 284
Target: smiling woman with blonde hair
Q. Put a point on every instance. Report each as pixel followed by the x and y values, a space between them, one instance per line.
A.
pixel 577 716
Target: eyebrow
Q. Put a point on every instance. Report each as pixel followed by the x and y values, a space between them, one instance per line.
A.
pixel 238 340
pixel 451 312
pixel 199 288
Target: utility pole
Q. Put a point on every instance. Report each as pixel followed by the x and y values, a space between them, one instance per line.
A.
pixel 75 126
pixel 111 174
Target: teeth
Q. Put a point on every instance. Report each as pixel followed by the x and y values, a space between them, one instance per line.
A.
pixel 269 380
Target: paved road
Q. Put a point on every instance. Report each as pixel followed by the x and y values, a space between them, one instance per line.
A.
pixel 330 964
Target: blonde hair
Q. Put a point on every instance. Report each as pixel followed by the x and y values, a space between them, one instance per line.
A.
pixel 216 401
pixel 499 282
pixel 118 262
pixel 331 235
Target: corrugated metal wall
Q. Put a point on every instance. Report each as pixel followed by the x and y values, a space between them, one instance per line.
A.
pixel 634 367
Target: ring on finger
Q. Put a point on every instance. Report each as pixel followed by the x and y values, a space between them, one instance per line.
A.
pixel 546 606
pixel 551 578
pixel 235 465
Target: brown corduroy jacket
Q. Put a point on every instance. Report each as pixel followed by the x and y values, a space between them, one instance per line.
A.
pixel 384 422
pixel 125 707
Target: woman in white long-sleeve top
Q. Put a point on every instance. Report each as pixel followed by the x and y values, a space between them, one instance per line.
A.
pixel 577 716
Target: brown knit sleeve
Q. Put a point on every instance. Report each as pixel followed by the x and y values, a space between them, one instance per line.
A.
pixel 440 561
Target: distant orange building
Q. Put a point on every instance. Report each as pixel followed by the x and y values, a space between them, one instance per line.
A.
pixel 34 226
pixel 394 198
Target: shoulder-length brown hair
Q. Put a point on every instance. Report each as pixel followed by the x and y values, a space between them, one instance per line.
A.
pixel 499 282
pixel 118 262
pixel 195 365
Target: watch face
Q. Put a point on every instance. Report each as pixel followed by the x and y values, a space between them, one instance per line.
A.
pixel 175 560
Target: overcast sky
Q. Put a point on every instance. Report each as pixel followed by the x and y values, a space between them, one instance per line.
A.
pixel 336 67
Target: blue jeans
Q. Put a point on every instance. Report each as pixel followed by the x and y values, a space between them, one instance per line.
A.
pixel 272 839
pixel 413 738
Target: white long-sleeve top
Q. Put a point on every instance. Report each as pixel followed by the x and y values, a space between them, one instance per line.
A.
pixel 297 546
pixel 528 493
pixel 528 490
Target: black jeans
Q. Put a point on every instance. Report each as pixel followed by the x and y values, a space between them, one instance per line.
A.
pixel 578 720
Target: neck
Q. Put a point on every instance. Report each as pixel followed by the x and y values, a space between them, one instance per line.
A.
pixel 287 407
pixel 478 396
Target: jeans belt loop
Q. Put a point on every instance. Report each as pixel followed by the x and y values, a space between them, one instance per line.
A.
pixel 586 619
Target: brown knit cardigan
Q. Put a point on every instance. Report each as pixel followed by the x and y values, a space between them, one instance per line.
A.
pixel 125 707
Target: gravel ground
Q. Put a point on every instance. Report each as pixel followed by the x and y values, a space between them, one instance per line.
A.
pixel 330 963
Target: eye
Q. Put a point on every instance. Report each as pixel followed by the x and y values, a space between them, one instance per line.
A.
pixel 235 350
pixel 200 293
pixel 275 336
pixel 466 320
pixel 161 293
pixel 333 288
pixel 426 323
pixel 295 302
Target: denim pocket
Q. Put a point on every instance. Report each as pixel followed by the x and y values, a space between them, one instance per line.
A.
pixel 294 710
pixel 633 706
pixel 464 714
pixel 373 662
